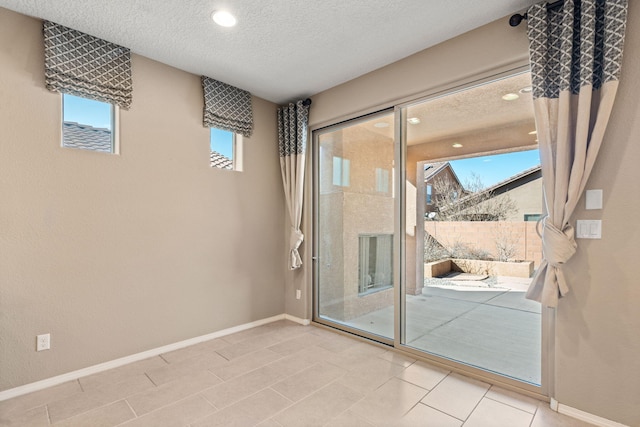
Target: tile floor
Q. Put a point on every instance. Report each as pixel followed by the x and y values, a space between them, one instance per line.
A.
pixel 495 328
pixel 280 374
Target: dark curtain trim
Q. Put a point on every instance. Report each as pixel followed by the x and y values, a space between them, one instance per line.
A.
pixel 577 45
pixel 293 122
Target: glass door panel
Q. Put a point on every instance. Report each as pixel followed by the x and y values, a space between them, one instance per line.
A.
pixel 472 158
pixel 354 226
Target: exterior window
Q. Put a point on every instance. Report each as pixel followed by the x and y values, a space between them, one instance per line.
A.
pixel 226 149
pixel 429 194
pixel 341 171
pixel 382 180
pixel 88 124
pixel 376 263
pixel 532 217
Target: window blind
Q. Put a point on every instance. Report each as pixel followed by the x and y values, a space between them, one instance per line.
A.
pixel 227 107
pixel 84 65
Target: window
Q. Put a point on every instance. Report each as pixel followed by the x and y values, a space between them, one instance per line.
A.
pixel 226 149
pixel 341 171
pixel 382 180
pixel 376 263
pixel 532 217
pixel 429 194
pixel 88 124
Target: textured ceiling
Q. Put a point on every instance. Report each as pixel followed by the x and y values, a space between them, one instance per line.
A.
pixel 477 118
pixel 281 50
pixel 472 110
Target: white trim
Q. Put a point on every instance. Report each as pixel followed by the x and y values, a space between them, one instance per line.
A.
pixel 583 416
pixel 74 375
pixel 303 322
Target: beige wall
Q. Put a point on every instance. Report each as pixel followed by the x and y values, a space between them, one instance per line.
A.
pixel 598 322
pixel 598 333
pixel 117 254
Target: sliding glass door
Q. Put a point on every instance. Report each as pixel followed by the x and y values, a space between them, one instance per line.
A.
pixel 354 198
pixel 442 272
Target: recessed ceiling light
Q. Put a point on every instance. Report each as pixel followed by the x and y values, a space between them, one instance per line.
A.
pixel 510 96
pixel 224 19
pixel 381 125
pixel 457 145
pixel 533 132
pixel 413 120
pixel 526 89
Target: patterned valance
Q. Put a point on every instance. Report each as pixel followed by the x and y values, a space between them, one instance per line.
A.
pixel 293 126
pixel 227 107
pixel 577 45
pixel 83 65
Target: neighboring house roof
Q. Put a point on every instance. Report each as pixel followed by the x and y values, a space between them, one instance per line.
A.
pixel 431 170
pixel 501 187
pixel 220 161
pixel 514 181
pixel 76 135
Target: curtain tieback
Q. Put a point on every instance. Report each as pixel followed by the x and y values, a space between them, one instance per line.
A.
pixel 558 245
pixel 296 238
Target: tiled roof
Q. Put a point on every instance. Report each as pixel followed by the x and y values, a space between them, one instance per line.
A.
pixel 512 179
pixel 220 161
pixel 505 185
pixel 76 135
pixel 432 169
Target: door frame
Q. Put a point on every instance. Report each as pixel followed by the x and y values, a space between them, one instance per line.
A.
pixel 548 315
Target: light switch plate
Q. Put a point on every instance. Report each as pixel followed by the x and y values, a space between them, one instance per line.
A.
pixel 593 199
pixel 589 229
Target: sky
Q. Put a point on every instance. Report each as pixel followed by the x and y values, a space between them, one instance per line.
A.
pixel 495 168
pixel 98 114
pixel 222 142
pixel 87 112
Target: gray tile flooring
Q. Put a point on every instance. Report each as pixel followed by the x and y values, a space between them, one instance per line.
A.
pixel 280 374
pixel 495 329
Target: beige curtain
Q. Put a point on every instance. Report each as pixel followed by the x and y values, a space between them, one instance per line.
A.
pixel 575 55
pixel 293 127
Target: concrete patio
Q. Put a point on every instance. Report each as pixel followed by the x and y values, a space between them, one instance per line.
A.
pixel 484 323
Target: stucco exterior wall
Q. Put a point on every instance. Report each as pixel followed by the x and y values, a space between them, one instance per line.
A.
pixel 348 212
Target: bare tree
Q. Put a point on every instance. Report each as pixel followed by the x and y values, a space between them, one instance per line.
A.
pixel 471 202
pixel 506 242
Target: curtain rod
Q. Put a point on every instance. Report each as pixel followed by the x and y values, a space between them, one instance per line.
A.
pixel 516 19
pixel 306 102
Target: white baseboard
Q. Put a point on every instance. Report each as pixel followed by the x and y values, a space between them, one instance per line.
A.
pixel 303 322
pixel 74 375
pixel 583 416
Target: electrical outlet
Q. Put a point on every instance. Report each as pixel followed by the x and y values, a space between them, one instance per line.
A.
pixel 298 293
pixel 43 342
